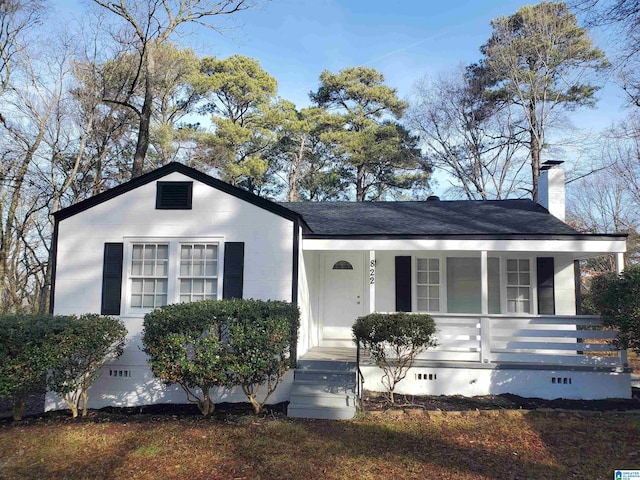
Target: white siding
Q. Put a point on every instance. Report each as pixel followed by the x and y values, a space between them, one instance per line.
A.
pixel 268 260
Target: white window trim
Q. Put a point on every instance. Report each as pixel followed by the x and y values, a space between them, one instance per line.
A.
pixel 173 293
pixel 442 278
pixel 533 282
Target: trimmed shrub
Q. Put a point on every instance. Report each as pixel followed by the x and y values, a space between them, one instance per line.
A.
pixel 226 343
pixel 617 299
pixel 259 339
pixel 82 347
pixel 394 340
pixel 25 357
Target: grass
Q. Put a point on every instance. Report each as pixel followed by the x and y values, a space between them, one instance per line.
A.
pixel 473 445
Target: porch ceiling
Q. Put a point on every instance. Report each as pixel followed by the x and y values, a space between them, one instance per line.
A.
pixel 581 246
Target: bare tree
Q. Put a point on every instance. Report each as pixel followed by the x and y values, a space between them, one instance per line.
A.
pixel 151 23
pixel 479 149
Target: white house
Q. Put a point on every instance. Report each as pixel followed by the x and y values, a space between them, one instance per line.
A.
pixel 499 277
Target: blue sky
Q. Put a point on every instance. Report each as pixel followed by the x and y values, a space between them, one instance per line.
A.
pixel 295 40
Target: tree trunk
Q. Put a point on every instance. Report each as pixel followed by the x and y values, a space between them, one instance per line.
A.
pixel 360 191
pixel 145 117
pixel 535 146
pixel 19 405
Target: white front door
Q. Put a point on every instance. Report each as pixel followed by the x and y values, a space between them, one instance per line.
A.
pixel 343 294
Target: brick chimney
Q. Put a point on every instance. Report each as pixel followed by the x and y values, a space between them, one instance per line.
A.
pixel 551 188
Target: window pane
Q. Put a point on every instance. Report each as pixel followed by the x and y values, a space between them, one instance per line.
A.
pixel 163 252
pixel 161 268
pixel 149 252
pixel 136 267
pixel 434 305
pixel 147 301
pixel 525 307
pixel 212 252
pixel 512 293
pixel 148 286
pixel 524 279
pixel 434 264
pixel 198 269
pixel 136 286
pixel 161 286
pixel 185 286
pixel 185 252
pixel 185 298
pixel 198 286
pixel 523 294
pixel 511 306
pixel 422 277
pixel 185 269
pixel 148 270
pixel 211 286
pixel 434 278
pixel 434 292
pixel 422 291
pixel 422 264
pixel 137 251
pixel 524 265
pixel 422 304
pixel 136 301
pixel 512 278
pixel 211 269
pixel 198 252
pixel 512 265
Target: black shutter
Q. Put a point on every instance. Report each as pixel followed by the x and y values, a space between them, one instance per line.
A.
pixel 546 298
pixel 174 195
pixel 111 279
pixel 403 284
pixel 233 276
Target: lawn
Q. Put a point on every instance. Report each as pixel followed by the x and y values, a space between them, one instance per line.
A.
pixel 470 445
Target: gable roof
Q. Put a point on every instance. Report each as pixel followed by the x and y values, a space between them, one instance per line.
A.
pixel 430 218
pixel 187 171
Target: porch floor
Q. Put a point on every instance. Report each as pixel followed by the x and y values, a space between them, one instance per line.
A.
pixel 348 354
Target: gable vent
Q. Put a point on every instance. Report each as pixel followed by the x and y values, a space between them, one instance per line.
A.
pixel 174 195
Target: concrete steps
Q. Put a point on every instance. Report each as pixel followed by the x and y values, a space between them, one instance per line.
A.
pixel 323 389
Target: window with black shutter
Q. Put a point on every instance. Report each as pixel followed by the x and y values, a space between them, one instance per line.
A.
pixel 546 297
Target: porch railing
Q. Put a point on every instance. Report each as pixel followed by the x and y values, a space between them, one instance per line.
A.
pixel 553 339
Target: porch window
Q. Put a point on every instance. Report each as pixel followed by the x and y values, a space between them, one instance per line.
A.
pixel 518 286
pixel 428 284
pixel 464 287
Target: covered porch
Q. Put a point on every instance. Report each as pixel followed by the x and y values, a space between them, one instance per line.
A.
pixel 495 301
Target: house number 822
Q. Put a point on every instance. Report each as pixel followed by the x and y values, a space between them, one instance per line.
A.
pixel 372 272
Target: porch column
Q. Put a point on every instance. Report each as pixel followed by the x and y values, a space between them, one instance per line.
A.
pixel 485 325
pixel 619 263
pixel 372 281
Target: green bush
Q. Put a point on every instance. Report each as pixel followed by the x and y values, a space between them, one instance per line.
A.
pixel 83 345
pixel 227 343
pixel 394 340
pixel 617 299
pixel 25 357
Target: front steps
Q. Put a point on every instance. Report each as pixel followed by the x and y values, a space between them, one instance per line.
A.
pixel 323 389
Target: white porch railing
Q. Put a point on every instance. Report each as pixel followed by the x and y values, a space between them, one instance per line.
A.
pixel 561 340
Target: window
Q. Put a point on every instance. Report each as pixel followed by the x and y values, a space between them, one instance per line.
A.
pixel 342 265
pixel 198 272
pixel 428 284
pixel 518 286
pixel 149 275
pixel 171 272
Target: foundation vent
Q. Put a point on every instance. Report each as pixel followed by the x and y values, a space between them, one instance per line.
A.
pixel 561 380
pixel 426 376
pixel 119 373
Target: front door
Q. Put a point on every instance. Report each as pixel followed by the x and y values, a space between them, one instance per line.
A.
pixel 343 294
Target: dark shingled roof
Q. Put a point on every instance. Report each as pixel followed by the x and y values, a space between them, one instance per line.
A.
pixel 433 217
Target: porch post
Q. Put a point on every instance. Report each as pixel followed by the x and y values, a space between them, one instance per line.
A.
pixel 372 281
pixel 485 325
pixel 619 263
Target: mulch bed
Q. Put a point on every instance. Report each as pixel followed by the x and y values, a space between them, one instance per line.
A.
pixel 373 402
pixel 378 402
